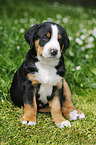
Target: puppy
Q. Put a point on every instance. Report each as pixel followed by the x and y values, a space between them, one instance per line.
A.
pixel 39 84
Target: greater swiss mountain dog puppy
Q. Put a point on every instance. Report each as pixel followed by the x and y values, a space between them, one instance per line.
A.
pixel 39 83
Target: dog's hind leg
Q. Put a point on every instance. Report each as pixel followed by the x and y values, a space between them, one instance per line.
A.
pixel 69 111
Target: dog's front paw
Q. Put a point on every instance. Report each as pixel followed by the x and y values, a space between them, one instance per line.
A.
pixel 64 124
pixel 76 115
pixel 28 123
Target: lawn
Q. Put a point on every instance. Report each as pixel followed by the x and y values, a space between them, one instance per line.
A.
pixel 80 59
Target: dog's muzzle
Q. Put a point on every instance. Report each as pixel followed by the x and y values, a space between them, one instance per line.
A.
pixel 53 52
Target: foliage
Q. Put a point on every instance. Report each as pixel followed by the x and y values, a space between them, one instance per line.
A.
pixel 80 59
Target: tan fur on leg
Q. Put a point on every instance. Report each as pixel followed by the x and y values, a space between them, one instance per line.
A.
pixel 56 110
pixel 30 112
pixel 67 106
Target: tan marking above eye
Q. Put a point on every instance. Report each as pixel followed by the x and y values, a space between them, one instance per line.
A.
pixel 59 36
pixel 48 35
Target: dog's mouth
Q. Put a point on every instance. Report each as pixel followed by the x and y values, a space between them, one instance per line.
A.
pixel 48 60
pixel 49 57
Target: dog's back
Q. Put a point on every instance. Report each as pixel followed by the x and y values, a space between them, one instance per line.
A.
pixel 16 89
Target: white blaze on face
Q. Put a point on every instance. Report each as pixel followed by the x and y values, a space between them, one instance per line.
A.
pixel 52 43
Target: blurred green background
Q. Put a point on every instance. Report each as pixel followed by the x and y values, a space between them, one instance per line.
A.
pixel 79 20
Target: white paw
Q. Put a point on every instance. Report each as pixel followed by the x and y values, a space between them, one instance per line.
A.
pixel 81 116
pixel 75 115
pixel 29 123
pixel 24 122
pixel 63 124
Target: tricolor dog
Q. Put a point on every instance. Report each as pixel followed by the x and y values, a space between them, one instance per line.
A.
pixel 39 84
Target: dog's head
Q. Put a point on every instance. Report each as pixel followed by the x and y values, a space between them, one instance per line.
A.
pixel 50 39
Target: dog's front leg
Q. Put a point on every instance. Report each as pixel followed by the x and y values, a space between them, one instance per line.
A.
pixel 30 106
pixel 56 113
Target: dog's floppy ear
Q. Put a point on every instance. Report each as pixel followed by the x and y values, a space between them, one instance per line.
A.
pixel 29 35
pixel 66 41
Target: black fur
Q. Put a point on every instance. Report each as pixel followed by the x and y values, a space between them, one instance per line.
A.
pixel 22 90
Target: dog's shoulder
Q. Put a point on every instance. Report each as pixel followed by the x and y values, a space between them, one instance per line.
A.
pixel 61 67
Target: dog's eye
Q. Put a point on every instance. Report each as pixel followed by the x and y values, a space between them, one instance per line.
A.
pixel 59 36
pixel 48 35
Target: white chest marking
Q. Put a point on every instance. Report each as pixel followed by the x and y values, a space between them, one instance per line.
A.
pixel 48 78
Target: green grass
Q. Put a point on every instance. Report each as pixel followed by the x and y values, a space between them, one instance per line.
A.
pixel 15 18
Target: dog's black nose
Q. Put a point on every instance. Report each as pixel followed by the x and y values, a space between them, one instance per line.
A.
pixel 53 52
